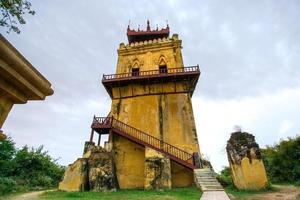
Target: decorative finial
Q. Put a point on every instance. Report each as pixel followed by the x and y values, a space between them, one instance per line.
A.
pixel 128 28
pixel 167 24
pixel 139 28
pixel 157 27
pixel 148 25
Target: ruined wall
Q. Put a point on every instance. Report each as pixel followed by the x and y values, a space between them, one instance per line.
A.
pixel 94 172
pixel 76 176
pixel 248 171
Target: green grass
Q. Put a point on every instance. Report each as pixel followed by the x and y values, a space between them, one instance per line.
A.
pixel 172 194
pixel 242 194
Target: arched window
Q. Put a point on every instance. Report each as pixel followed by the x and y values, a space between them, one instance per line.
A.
pixel 135 71
pixel 162 65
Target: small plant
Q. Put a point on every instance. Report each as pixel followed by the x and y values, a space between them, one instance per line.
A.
pixel 225 178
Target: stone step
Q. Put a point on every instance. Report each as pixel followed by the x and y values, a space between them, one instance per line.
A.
pixel 205 175
pixel 202 170
pixel 206 180
pixel 208 183
pixel 199 172
pixel 212 187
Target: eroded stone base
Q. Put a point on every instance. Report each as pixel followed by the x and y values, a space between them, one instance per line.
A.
pixel 75 177
pixel 94 172
pixel 157 170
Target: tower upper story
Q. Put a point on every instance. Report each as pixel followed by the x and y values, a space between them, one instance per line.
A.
pixel 149 50
pixel 150 58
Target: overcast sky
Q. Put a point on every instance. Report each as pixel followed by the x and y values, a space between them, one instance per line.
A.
pixel 248 52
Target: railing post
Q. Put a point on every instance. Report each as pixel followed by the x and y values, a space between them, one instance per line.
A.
pixel 92 135
pixel 99 139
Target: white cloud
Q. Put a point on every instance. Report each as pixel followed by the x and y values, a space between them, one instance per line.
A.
pixel 284 128
pixel 261 116
pixel 246 60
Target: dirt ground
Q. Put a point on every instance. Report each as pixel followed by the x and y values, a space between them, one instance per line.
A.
pixel 287 192
pixel 28 196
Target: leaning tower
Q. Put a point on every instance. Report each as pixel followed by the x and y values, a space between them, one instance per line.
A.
pixel 151 124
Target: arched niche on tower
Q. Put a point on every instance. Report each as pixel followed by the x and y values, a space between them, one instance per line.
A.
pixel 162 64
pixel 135 67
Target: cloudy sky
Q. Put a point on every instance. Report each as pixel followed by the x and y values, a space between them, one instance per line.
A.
pixel 248 52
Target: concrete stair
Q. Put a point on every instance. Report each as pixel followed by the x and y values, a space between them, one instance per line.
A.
pixel 205 179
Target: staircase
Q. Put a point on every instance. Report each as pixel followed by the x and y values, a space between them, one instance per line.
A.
pixel 206 180
pixel 111 125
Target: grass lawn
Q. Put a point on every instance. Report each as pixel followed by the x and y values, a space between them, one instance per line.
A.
pixel 285 191
pixel 240 194
pixel 172 194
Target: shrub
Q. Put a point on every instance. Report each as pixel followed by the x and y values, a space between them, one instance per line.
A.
pixel 282 161
pixel 26 168
pixel 7 185
pixel 225 178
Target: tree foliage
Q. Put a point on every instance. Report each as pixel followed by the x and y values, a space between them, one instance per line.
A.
pixel 26 167
pixel 282 161
pixel 225 177
pixel 7 152
pixel 13 12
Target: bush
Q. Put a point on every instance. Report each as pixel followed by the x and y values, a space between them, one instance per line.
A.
pixel 282 161
pixel 7 185
pixel 7 153
pixel 26 168
pixel 225 178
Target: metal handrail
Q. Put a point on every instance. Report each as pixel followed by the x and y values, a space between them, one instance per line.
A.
pixel 146 138
pixel 150 73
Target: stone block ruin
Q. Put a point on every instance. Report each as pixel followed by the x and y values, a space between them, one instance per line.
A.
pixel 247 168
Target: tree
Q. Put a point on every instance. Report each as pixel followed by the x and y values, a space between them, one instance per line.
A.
pixel 12 13
pixel 7 152
pixel 282 161
pixel 26 168
pixel 35 167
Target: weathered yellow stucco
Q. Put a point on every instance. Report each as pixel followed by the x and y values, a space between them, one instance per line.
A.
pixel 75 177
pixel 19 80
pixel 5 106
pixel 163 110
pixel 130 163
pixel 249 175
pixel 157 176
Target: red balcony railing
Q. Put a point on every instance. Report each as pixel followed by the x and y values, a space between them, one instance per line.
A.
pixel 138 136
pixel 153 73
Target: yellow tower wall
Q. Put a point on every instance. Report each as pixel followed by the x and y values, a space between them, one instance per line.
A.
pixel 163 110
pixel 130 163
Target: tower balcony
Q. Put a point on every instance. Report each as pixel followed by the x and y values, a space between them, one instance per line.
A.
pixel 189 74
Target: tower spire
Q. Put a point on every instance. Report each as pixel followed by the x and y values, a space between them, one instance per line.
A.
pixel 148 25
pixel 128 27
